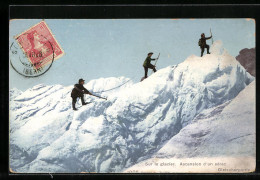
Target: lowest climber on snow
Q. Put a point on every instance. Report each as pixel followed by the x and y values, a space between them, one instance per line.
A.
pixel 203 44
pixel 147 64
pixel 78 91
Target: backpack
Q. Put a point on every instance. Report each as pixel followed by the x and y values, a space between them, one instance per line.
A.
pixel 199 43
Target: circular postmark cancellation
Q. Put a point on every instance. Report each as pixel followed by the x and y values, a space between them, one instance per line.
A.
pixel 32 53
pixel 33 62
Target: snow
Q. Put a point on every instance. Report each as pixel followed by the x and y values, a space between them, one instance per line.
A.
pixel 225 133
pixel 46 135
pixel 14 93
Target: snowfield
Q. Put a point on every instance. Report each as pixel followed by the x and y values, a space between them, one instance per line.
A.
pixel 136 121
pixel 224 134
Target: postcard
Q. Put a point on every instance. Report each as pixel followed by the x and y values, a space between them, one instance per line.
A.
pixel 132 96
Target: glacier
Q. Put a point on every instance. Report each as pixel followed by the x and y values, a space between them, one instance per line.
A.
pixel 137 120
pixel 225 133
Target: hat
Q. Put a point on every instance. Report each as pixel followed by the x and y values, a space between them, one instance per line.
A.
pixel 150 53
pixel 80 80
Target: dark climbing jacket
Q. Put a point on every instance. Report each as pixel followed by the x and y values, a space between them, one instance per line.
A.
pixel 147 62
pixel 78 91
pixel 202 41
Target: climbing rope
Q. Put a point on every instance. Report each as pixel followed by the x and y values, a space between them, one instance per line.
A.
pixel 113 87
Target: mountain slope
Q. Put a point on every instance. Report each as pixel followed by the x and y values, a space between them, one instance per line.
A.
pixel 225 133
pixel 133 124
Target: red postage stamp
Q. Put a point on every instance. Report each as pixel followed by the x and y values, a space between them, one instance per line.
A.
pixel 39 45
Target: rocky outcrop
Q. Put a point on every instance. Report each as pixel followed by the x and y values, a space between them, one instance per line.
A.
pixel 247 59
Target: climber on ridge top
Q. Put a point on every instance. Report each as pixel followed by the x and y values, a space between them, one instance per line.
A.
pixel 203 44
pixel 147 64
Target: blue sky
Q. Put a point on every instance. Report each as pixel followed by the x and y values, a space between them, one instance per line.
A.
pixel 96 48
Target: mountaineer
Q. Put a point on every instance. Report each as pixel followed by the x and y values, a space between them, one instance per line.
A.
pixel 78 91
pixel 202 43
pixel 147 64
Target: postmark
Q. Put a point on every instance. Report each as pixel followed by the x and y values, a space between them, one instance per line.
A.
pixel 33 51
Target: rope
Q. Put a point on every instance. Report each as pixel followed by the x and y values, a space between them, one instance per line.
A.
pixel 113 88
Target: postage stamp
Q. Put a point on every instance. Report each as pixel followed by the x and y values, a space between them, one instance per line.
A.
pixel 39 48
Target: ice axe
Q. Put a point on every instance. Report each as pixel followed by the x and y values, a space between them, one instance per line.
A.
pixel 99 96
pixel 156 60
pixel 211 36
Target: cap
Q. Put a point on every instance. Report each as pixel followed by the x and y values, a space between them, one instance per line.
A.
pixel 150 53
pixel 80 80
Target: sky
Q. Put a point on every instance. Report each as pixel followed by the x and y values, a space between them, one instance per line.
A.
pixel 100 48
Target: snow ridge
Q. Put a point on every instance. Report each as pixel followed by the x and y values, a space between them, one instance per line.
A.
pixel 225 133
pixel 134 123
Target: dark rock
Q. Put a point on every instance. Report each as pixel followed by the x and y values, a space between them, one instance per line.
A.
pixel 246 58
